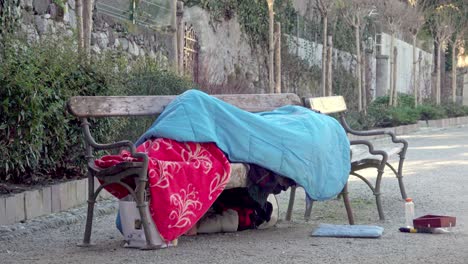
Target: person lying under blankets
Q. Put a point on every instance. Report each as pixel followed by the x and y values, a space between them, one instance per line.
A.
pixel 231 215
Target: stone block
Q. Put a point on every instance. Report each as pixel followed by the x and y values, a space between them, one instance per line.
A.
pixel 422 123
pixel 53 11
pixel 14 207
pixel 124 44
pixel 27 4
pixel 70 196
pixel 133 49
pixel 63 196
pixel 71 4
pixel 81 191
pixel 42 24
pixel 3 216
pixel 37 202
pixel 72 18
pixel 55 197
pixel 40 6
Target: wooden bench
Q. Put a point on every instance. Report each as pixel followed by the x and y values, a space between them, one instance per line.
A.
pixel 365 153
pixel 86 107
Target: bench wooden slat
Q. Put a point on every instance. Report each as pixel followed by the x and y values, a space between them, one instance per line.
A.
pixel 327 105
pixel 361 152
pixel 100 106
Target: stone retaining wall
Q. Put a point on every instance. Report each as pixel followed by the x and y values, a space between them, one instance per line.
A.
pixel 42 19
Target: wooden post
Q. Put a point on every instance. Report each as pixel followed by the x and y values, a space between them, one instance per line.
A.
pixel 438 72
pixel 392 44
pixel 180 31
pixel 415 87
pixel 278 57
pixel 271 48
pixel 363 82
pixel 395 67
pixel 329 66
pixel 324 55
pixel 454 71
pixel 88 6
pixel 79 24
pixel 357 37
pixel 175 59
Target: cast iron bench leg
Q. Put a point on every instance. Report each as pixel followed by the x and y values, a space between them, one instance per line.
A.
pixel 347 204
pixel 90 213
pixel 349 211
pixel 292 196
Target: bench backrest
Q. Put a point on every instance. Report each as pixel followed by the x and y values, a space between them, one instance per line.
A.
pixel 103 106
pixel 327 105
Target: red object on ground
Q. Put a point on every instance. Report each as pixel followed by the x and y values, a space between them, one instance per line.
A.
pixel 433 221
pixel 184 180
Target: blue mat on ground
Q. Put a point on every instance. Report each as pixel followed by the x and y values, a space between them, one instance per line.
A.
pixel 308 147
pixel 363 231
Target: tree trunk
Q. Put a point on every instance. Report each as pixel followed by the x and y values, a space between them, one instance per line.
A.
pixel 324 54
pixel 297 49
pixel 363 77
pixel 358 64
pixel 278 58
pixel 438 70
pixel 271 51
pixel 418 82
pixel 329 66
pixel 392 43
pixel 180 37
pixel 79 24
pixel 87 25
pixel 415 63
pixel 395 70
pixel 454 72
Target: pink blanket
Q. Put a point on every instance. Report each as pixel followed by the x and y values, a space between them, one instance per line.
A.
pixel 184 180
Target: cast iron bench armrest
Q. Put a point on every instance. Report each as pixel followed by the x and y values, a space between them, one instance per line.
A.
pixel 370 148
pixel 98 146
pixel 374 133
pixel 124 143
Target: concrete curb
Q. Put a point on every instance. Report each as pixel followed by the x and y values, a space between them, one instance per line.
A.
pixel 407 129
pixel 45 200
pixel 54 220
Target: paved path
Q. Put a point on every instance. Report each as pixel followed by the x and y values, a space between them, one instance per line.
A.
pixel 436 177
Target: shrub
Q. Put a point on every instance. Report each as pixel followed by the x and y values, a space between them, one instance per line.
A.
pixel 380 114
pixel 146 77
pixel 428 112
pixel 38 138
pixel 359 121
pixel 404 115
pixel 404 100
pixel 454 110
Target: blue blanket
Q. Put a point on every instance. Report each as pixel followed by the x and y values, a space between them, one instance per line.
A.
pixel 310 148
pixel 364 231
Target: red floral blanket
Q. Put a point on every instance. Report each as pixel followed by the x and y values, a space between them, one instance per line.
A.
pixel 184 180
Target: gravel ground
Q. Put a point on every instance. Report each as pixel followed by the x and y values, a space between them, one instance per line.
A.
pixel 436 177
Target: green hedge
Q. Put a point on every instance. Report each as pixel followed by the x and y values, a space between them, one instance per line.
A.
pixel 38 138
pixel 379 114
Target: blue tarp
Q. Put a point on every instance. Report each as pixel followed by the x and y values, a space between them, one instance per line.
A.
pixel 308 147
